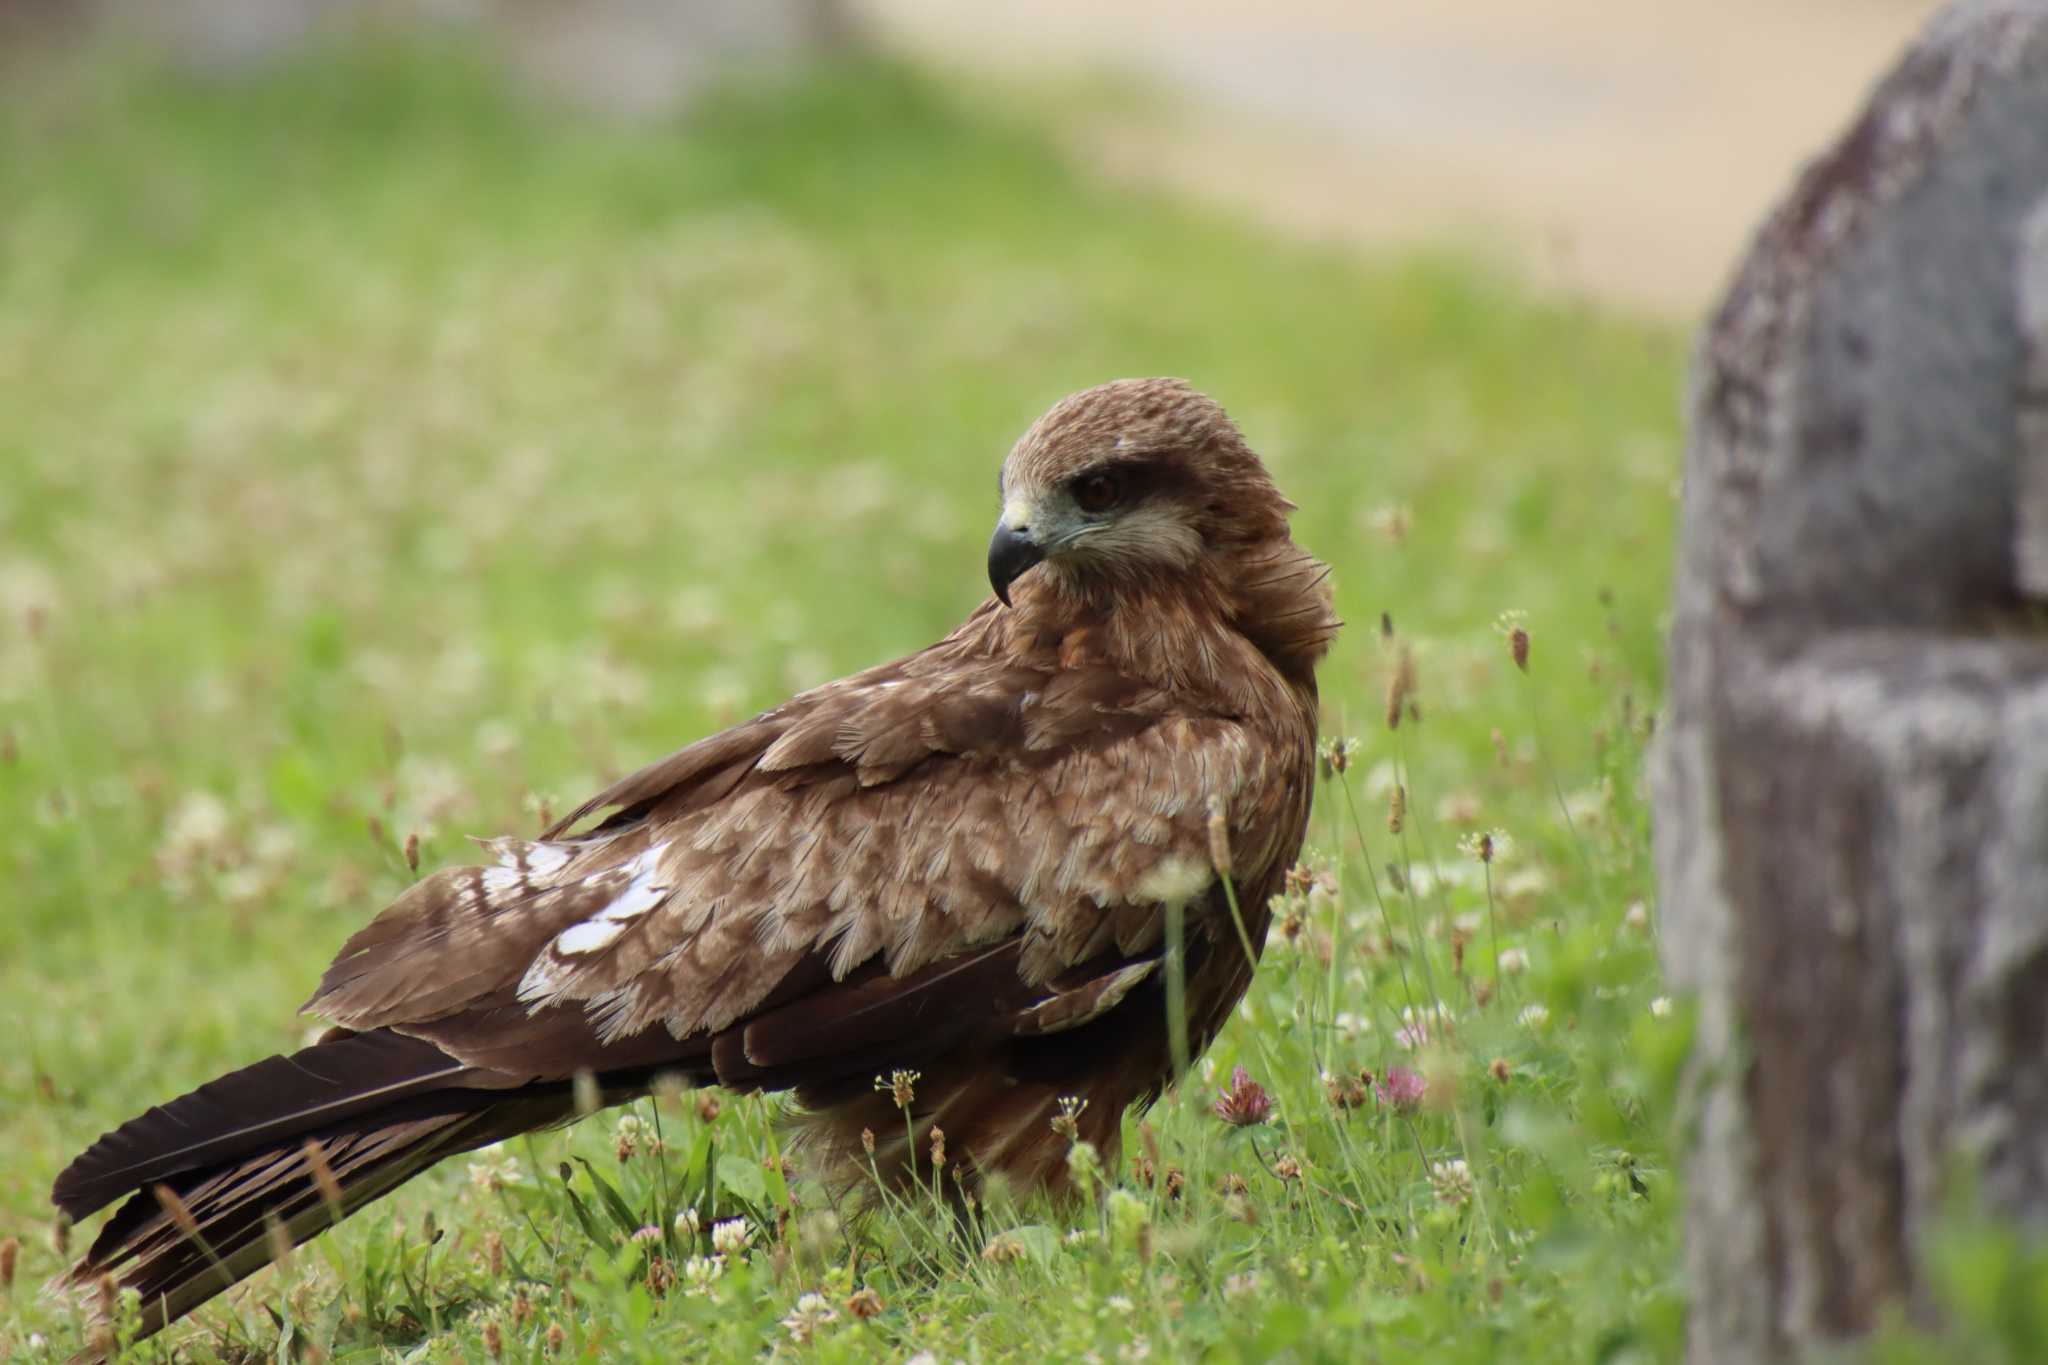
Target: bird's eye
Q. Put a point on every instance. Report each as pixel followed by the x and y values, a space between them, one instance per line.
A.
pixel 1098 492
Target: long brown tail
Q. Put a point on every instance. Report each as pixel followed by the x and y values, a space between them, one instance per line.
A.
pixel 296 1142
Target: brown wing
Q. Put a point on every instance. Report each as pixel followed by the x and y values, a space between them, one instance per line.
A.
pixel 952 841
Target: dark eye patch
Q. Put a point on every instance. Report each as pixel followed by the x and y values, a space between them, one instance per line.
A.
pixel 1097 492
pixel 1114 483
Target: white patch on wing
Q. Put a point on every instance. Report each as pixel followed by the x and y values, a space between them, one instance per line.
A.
pixel 1174 880
pixel 499 880
pixel 543 978
pixel 536 860
pixel 644 892
pixel 640 896
pixel 588 937
pixel 545 860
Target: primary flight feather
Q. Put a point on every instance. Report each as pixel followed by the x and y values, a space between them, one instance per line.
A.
pixel 961 863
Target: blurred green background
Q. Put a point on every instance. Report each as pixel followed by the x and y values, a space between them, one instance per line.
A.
pixel 386 452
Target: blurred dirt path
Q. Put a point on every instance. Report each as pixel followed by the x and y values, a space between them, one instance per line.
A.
pixel 1619 150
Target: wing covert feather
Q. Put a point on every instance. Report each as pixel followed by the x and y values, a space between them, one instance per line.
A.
pixel 1074 851
pixel 903 815
pixel 923 810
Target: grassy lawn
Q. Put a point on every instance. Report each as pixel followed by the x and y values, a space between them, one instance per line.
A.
pixel 380 459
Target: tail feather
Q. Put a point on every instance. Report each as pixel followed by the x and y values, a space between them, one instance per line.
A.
pixel 175 1265
pixel 258 1106
pixel 211 1172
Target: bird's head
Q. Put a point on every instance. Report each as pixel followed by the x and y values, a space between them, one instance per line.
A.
pixel 1133 479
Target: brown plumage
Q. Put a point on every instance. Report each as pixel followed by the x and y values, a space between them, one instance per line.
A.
pixel 958 863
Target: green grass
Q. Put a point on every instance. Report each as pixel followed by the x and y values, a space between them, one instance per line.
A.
pixel 381 458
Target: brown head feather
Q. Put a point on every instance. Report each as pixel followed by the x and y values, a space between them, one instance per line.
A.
pixel 1164 425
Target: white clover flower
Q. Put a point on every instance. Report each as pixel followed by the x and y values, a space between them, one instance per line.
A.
pixel 1534 1017
pixel 492 1175
pixel 731 1237
pixel 1514 961
pixel 812 1311
pixel 1084 1162
pixel 1418 1027
pixel 1487 845
pixel 628 1136
pixel 688 1224
pixel 1451 1181
pixel 700 1272
pixel 1661 1007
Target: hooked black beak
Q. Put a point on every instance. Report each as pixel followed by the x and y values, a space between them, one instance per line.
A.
pixel 1010 552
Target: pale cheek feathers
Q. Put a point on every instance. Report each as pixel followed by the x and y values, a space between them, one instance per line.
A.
pixel 1144 535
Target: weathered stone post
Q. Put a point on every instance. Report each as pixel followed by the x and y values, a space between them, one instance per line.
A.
pixel 1852 781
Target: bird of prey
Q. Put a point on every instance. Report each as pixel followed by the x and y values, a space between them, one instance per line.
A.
pixel 963 863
